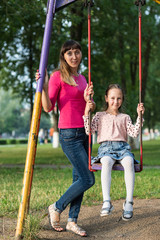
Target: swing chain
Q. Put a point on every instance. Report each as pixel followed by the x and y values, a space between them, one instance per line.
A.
pixel 140 2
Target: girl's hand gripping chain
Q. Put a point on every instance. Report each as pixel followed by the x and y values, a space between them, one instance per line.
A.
pixel 87 93
pixel 89 106
pixel 140 109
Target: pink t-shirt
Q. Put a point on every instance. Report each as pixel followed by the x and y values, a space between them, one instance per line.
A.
pixel 112 127
pixel 70 100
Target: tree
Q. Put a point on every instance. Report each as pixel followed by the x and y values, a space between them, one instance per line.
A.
pixel 14 115
pixel 10 112
pixel 23 49
pixel 114 45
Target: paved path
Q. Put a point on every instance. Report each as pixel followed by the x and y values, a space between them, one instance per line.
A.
pixel 143 226
pixel 54 166
pixel 36 166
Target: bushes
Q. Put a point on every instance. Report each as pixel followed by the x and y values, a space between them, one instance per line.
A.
pixel 3 141
pixel 13 141
pixel 16 141
pixel 22 141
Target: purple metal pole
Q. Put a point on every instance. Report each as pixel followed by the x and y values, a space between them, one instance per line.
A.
pixel 42 66
pixel 46 43
pixel 33 136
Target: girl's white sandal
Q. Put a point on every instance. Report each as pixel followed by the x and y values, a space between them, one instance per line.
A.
pixel 127 215
pixel 106 211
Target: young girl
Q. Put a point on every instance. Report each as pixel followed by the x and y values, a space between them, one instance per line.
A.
pixel 112 129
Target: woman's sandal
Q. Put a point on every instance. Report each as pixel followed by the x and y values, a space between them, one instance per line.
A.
pixel 106 211
pixel 54 219
pixel 127 215
pixel 73 227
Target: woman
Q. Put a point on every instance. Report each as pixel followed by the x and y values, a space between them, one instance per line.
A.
pixel 70 90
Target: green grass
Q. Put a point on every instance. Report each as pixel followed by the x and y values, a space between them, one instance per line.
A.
pixel 31 227
pixel 49 184
pixel 151 153
pixel 16 154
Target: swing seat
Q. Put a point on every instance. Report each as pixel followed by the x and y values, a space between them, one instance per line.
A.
pixel 118 166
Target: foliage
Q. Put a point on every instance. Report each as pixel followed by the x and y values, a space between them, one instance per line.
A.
pixel 31 227
pixel 13 141
pixel 3 141
pixel 114 48
pixel 14 116
pixel 23 50
pixel 11 113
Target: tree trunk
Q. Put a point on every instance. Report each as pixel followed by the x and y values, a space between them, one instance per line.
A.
pixel 31 75
pixel 122 62
pixel 146 68
pixel 76 29
pixel 121 43
pixel 133 70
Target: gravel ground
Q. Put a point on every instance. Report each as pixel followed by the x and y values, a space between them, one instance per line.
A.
pixel 145 224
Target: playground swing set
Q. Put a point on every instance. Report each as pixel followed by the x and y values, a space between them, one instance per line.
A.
pixel 52 7
pixel 117 166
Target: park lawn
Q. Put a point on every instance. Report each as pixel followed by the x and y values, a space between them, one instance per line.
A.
pixel 46 154
pixel 49 184
pixel 16 154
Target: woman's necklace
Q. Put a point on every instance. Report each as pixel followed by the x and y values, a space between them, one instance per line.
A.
pixel 76 75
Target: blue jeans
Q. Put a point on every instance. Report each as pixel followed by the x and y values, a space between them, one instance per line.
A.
pixel 74 143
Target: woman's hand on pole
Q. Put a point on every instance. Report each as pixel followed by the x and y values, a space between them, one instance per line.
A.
pixel 37 75
pixel 45 84
pixel 46 102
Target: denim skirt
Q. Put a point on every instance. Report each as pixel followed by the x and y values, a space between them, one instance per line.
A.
pixel 116 150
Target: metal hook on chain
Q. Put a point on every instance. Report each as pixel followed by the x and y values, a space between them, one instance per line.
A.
pixel 140 2
pixel 88 3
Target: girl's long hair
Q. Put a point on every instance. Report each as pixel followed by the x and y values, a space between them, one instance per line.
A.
pixel 64 68
pixel 113 86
